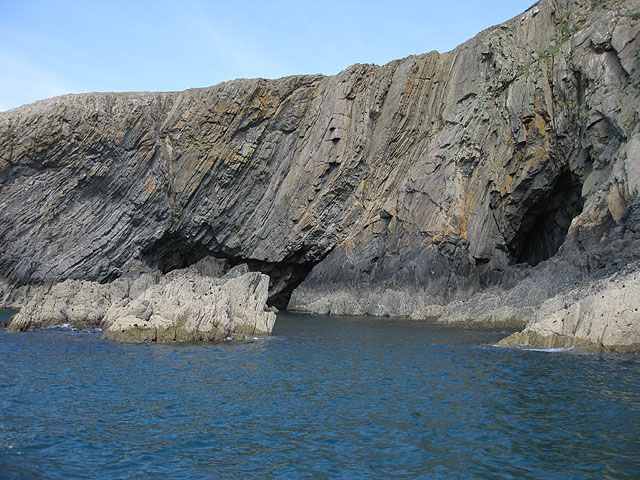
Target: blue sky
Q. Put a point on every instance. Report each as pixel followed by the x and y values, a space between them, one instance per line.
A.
pixel 53 47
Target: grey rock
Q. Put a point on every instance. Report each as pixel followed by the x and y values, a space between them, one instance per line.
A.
pixel 199 302
pixel 602 315
pixel 426 187
pixel 193 308
pixel 237 271
pixel 81 304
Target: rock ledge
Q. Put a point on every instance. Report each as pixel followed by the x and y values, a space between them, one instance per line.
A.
pixel 602 316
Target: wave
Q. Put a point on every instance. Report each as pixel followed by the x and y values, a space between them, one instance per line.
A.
pixel 529 348
pixel 68 326
pixel 551 350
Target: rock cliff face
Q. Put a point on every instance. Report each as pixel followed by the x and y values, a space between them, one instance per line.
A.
pixel 470 185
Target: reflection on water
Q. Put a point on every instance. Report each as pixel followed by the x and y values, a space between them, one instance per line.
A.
pixel 320 398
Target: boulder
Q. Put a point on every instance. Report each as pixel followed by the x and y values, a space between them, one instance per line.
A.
pixel 193 308
pixel 205 301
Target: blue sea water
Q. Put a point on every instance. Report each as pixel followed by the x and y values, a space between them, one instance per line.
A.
pixel 320 398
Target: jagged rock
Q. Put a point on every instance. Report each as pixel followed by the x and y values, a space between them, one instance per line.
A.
pixel 206 301
pixel 603 316
pixel 189 307
pixel 405 189
pixel 81 304
pixel 78 303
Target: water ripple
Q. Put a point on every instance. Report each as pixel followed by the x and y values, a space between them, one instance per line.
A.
pixel 321 398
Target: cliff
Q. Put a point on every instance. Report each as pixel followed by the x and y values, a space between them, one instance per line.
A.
pixel 472 185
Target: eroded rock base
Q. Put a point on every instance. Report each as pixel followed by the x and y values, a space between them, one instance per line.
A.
pixel 603 316
pixel 206 301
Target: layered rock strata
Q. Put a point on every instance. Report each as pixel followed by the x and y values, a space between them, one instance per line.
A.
pixel 472 185
pixel 201 302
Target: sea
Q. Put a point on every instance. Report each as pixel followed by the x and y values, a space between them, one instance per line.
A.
pixel 320 398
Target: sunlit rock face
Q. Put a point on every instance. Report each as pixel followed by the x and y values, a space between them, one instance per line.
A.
pixel 207 301
pixel 403 189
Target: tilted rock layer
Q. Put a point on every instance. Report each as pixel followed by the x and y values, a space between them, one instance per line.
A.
pixel 470 185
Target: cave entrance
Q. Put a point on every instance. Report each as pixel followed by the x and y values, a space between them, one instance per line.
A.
pixel 173 251
pixel 284 277
pixel 545 224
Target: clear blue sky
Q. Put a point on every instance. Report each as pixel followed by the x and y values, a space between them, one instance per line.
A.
pixel 54 47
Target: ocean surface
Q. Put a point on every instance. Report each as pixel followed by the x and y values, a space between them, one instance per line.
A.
pixel 320 398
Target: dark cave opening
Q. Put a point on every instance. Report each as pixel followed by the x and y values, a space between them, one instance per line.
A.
pixel 284 278
pixel 546 222
pixel 173 251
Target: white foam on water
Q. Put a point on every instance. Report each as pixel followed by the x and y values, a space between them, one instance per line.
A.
pixel 532 349
pixel 65 326
pixel 550 350
pixel 68 326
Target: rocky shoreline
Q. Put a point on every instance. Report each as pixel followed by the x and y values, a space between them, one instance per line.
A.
pixel 495 184
pixel 212 302
pixel 206 301
pixel 602 316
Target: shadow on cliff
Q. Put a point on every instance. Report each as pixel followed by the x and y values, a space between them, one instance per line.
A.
pixel 173 251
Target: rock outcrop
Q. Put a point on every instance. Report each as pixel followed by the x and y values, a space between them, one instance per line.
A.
pixel 81 304
pixel 602 316
pixel 201 302
pixel 472 185
pixel 193 308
